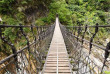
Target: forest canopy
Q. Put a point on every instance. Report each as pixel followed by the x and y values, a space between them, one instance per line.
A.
pixel 43 12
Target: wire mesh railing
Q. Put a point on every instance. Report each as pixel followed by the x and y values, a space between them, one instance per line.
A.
pixel 23 48
pixel 88 48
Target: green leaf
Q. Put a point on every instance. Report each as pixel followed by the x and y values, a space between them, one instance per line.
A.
pixel 24 2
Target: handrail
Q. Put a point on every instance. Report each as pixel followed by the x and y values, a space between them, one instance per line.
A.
pixel 17 26
pixel 89 26
pixel 43 33
pixel 101 47
pixel 99 26
pixel 77 34
pixel 12 55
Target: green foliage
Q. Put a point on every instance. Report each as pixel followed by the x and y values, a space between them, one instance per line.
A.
pixel 11 33
pixel 68 10
pixel 70 13
pixel 24 2
pixel 59 7
pixel 26 30
pixel 107 72
pixel 6 6
pixel 20 16
pixel 39 22
pixel 9 20
pixel 23 43
pixel 74 18
pixel 43 61
pixel 88 11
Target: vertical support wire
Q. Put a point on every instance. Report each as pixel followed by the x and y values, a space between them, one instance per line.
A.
pixel 106 55
pixel 21 29
pixel 13 48
pixel 84 34
pixel 91 40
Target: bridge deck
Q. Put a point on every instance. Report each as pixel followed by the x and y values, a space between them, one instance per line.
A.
pixel 57 61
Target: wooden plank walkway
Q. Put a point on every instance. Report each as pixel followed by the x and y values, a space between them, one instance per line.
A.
pixel 57 61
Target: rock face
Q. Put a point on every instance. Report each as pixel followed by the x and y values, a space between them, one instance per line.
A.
pixel 1 19
pixel 106 41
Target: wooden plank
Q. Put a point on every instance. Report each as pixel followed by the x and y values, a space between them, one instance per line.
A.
pixel 57 61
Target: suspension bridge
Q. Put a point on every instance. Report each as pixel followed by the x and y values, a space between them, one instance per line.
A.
pixel 53 49
pixel 57 59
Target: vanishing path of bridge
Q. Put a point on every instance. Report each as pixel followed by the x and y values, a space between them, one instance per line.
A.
pixel 57 61
pixel 85 57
